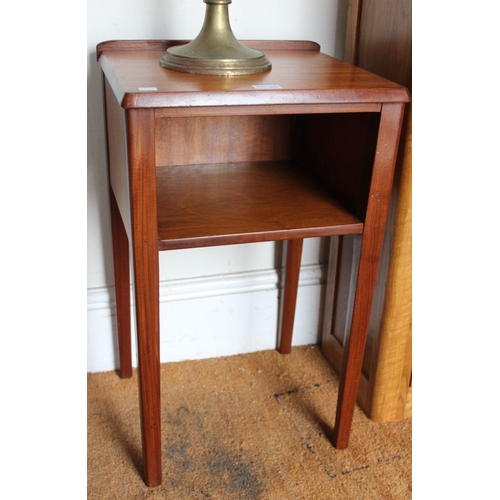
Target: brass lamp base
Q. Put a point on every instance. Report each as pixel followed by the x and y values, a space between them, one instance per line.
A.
pixel 216 51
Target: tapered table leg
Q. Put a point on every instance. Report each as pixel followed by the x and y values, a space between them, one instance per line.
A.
pixel 289 300
pixel 371 247
pixel 147 311
pixel 140 126
pixel 121 266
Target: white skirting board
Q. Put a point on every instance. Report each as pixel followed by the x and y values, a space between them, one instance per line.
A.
pixel 211 316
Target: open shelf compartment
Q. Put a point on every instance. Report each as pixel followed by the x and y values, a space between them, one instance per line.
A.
pixel 252 178
pixel 204 205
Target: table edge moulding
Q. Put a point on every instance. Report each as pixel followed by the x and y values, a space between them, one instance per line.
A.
pixel 317 144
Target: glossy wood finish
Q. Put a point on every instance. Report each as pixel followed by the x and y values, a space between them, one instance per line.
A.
pixel 141 146
pixel 162 45
pixel 293 252
pixel 205 161
pixel 220 204
pixel 327 80
pixel 391 372
pixel 121 263
pixel 385 48
pixel 339 149
pixel 211 139
pixel 352 30
pixel 373 235
pixel 120 224
pixel 379 40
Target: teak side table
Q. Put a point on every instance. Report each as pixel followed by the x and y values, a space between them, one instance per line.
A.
pixel 305 150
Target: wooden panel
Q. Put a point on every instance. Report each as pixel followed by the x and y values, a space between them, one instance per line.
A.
pixel 352 31
pixel 385 36
pixel 347 258
pixel 121 45
pixel 223 139
pixel 340 149
pixel 271 109
pixel 117 155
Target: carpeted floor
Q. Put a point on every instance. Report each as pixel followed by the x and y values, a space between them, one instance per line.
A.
pixel 247 427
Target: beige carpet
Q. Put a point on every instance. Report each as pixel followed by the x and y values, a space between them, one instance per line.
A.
pixel 247 427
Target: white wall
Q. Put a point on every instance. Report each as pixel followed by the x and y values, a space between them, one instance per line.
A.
pixel 214 301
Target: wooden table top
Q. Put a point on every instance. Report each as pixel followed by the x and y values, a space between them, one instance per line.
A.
pixel 298 76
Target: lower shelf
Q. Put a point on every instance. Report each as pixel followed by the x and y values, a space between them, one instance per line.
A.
pixel 220 204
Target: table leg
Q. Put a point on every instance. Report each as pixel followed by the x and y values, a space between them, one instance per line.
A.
pixel 374 227
pixel 121 264
pixel 140 128
pixel 147 312
pixel 287 307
